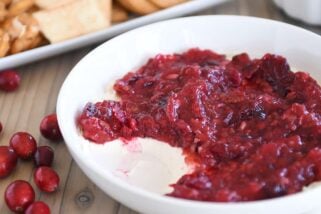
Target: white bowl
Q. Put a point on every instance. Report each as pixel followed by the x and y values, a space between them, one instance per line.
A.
pixel 308 11
pixel 223 34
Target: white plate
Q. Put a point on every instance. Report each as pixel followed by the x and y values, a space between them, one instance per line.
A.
pixel 100 36
pixel 224 34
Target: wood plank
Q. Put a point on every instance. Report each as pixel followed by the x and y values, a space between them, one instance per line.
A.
pixel 82 196
pixel 228 8
pixel 124 210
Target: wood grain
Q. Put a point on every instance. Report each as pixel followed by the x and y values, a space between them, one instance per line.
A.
pixel 23 110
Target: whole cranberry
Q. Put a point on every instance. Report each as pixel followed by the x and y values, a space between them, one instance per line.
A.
pixel 19 195
pixel 49 128
pixel 9 80
pixel 23 144
pixel 8 160
pixel 46 179
pixel 38 207
pixel 43 156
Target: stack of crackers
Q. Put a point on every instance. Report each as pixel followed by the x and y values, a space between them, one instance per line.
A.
pixel 26 24
pixel 19 30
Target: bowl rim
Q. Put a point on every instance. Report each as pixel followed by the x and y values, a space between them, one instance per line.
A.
pixel 151 195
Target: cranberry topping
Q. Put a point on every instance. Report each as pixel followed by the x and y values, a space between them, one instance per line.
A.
pixel 253 126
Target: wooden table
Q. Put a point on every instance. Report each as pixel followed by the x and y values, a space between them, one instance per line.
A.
pixel 23 110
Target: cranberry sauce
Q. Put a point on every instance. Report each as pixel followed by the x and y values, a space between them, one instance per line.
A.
pixel 253 126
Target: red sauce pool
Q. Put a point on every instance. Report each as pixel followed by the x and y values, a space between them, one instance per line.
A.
pixel 252 125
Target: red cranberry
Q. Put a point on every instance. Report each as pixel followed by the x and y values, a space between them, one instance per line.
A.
pixel 8 160
pixel 23 144
pixel 19 195
pixel 49 128
pixel 38 207
pixel 44 156
pixel 46 179
pixel 9 80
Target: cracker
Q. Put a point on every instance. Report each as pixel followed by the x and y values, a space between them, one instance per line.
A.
pixel 74 19
pixel 4 43
pixel 118 13
pixel 24 32
pixel 20 6
pixel 141 7
pixel 167 3
pixel 6 2
pixel 3 11
pixel 49 4
pixel 26 40
pixel 17 25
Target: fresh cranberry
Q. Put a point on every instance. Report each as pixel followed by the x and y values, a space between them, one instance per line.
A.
pixel 23 144
pixel 8 160
pixel 44 156
pixel 46 179
pixel 49 128
pixel 38 207
pixel 19 195
pixel 9 80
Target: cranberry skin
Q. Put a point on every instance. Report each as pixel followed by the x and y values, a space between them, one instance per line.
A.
pixel 19 195
pixel 9 80
pixel 23 144
pixel 46 179
pixel 38 207
pixel 44 156
pixel 49 128
pixel 8 160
